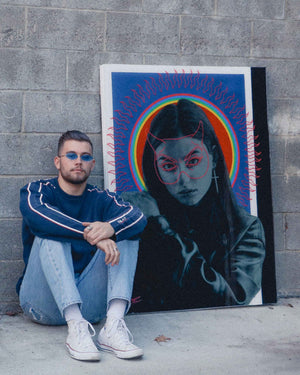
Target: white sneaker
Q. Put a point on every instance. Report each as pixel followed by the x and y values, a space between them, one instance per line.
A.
pixel 79 342
pixel 116 338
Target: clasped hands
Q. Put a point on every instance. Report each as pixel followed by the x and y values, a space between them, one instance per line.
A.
pixel 98 233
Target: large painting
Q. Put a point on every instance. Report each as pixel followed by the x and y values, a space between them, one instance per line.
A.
pixel 189 146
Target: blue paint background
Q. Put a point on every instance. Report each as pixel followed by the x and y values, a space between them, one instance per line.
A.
pixel 123 84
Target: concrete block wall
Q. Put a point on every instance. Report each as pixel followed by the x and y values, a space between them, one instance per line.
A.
pixel 50 52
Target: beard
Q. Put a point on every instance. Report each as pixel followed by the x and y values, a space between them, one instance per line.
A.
pixel 75 180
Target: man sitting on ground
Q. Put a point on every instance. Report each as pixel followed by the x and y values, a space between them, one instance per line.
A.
pixel 80 254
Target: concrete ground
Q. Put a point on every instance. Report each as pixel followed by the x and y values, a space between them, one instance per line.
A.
pixel 262 340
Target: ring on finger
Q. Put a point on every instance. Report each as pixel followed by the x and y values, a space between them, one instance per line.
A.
pixel 115 249
pixel 89 227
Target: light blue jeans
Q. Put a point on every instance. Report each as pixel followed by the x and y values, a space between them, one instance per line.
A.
pixel 50 285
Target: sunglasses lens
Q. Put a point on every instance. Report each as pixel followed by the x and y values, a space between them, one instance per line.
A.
pixel 86 157
pixel 71 156
pixel 74 156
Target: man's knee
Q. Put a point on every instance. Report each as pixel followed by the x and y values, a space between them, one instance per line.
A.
pixel 51 250
pixel 45 244
pixel 130 245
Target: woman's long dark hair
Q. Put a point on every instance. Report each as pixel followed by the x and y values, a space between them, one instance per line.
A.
pixel 175 121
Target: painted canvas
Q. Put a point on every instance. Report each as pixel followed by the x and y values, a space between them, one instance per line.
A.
pixel 189 146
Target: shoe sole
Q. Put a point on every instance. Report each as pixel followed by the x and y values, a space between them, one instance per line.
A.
pixel 137 353
pixel 92 357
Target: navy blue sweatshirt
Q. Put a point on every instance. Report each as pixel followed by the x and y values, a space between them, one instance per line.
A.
pixel 49 212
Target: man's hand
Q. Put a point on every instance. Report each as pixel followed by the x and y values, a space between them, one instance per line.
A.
pixel 112 254
pixel 97 231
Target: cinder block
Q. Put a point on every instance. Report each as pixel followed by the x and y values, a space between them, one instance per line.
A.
pixel 10 272
pixel 12 26
pixel 195 60
pixel 293 156
pixel 283 77
pixel 83 67
pixel 98 155
pixel 173 59
pixel 24 2
pixel 142 33
pixel 54 112
pixel 279 232
pixel 28 154
pixel 65 29
pixel 10 195
pixel 292 231
pixel 286 193
pixel 97 180
pixel 83 71
pixel 10 111
pixel 293 9
pixel 277 39
pixel 287 273
pixel 10 239
pixel 251 8
pixel 277 155
pixel 284 116
pixel 215 36
pixel 201 8
pixel 123 5
pixel 32 69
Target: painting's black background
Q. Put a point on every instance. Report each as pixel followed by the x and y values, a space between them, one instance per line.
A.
pixel 264 192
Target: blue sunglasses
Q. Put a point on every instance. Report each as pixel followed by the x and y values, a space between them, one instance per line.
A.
pixel 74 156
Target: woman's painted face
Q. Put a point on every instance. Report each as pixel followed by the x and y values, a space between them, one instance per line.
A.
pixel 185 166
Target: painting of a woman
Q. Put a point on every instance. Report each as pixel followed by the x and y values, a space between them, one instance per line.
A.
pixel 200 248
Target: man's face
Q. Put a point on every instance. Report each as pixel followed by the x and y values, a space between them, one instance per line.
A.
pixel 74 171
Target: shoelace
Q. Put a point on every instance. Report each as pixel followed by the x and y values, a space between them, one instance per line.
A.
pixel 120 326
pixel 84 333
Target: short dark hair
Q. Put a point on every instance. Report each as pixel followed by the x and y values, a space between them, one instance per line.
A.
pixel 74 135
